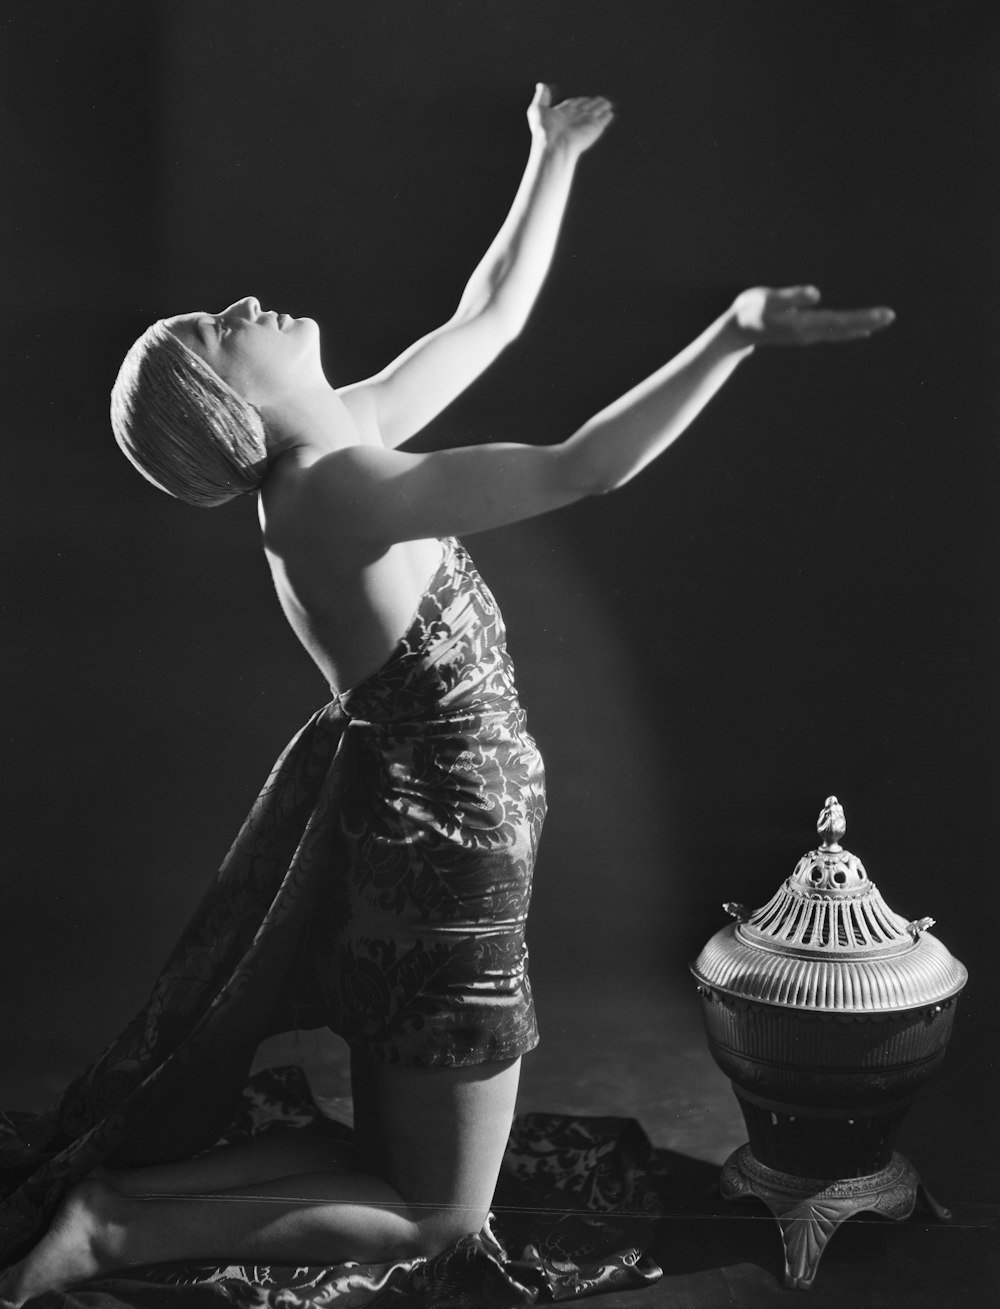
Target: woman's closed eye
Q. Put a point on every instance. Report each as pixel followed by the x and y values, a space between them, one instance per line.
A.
pixel 219 328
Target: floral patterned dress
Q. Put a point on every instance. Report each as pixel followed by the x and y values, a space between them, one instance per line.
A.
pixel 379 886
pixel 417 955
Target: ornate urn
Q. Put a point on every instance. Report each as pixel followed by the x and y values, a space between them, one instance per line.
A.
pixel 828 1012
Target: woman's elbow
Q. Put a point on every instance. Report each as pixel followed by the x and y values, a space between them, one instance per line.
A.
pixel 495 316
pixel 583 477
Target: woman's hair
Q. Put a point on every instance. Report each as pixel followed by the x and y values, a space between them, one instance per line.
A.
pixel 182 426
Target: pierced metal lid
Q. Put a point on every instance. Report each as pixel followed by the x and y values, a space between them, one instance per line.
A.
pixel 828 941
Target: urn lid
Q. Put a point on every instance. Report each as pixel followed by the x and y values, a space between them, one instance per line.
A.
pixel 827 940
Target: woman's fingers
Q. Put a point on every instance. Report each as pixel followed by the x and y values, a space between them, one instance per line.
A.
pixel 790 315
pixel 578 121
pixel 572 105
pixel 594 104
pixel 810 326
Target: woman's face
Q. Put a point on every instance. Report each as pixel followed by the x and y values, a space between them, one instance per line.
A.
pixel 260 354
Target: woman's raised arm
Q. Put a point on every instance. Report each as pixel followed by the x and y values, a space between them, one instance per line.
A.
pixel 500 294
pixel 385 496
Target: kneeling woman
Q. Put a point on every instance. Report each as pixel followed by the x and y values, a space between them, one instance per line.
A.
pixel 380 885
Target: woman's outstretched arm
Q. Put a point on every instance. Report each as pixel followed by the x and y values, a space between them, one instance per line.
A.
pixel 617 443
pixel 500 294
pixel 385 496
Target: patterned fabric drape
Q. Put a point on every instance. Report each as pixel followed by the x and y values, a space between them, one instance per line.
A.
pixel 380 886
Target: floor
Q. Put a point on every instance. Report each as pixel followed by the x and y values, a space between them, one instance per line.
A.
pixel 639 1052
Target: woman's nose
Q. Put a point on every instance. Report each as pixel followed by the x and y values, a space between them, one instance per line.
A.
pixel 248 307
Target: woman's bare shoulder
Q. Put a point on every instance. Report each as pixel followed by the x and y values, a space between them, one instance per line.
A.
pixel 307 501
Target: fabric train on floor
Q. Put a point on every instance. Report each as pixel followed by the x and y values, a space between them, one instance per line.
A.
pixel 576 1208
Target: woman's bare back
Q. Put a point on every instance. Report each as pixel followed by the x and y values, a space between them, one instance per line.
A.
pixel 347 602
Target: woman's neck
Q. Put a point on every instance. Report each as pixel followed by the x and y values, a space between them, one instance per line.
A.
pixel 310 421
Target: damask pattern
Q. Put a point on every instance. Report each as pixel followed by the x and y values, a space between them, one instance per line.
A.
pixel 380 886
pixel 419 956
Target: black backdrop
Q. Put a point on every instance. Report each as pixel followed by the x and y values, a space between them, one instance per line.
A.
pixel 798 600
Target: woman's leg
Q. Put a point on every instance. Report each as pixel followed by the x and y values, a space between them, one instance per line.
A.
pixel 315 1218
pixel 438 1136
pixel 279 1154
pixel 442 1134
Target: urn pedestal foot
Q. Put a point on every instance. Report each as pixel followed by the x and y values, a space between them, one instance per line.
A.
pixel 809 1210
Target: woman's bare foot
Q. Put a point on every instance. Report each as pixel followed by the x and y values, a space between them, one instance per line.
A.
pixel 84 1240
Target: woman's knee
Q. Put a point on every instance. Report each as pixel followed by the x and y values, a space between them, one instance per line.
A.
pixel 436 1229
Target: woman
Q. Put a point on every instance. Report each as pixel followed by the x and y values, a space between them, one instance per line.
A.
pixel 381 883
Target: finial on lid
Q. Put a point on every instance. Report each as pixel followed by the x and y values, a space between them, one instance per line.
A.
pixel 831 824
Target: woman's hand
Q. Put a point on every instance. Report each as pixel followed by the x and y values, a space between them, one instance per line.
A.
pixel 791 316
pixel 575 124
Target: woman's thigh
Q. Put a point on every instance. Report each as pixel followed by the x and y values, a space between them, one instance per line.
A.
pixel 437 1135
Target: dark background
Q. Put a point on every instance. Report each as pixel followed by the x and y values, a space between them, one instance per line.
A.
pixel 798 600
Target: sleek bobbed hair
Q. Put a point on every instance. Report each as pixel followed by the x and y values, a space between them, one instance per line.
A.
pixel 182 426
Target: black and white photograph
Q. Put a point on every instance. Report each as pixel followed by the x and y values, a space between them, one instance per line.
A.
pixel 502 655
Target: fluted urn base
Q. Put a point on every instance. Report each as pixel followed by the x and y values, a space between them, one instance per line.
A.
pixel 809 1210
